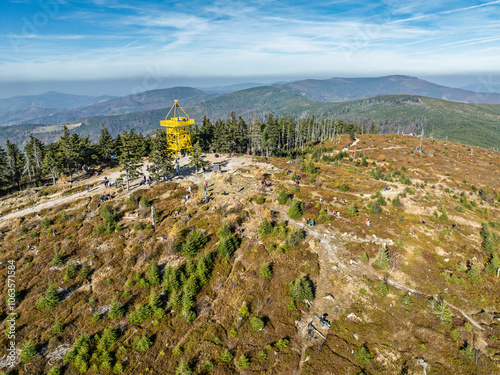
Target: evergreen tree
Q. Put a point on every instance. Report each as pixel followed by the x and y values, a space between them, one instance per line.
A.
pixel 265 271
pixel 296 209
pixel 14 163
pixel 154 300
pixel 474 273
pixel 226 356
pixel 353 210
pixel 153 274
pixel 243 362
pixel 51 297
pixel 493 265
pixel 70 147
pixel 53 161
pixel 160 156
pixel 183 369
pixel 227 246
pixel 171 280
pixel 197 159
pixel 28 352
pixel 255 135
pixel 105 145
pixel 130 155
pixel 34 151
pixel 116 309
pixel 382 260
pixel 194 243
pixel 265 227
pixel 58 327
pixel 301 289
pixel 257 323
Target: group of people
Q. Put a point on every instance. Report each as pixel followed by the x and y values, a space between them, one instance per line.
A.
pixel 265 183
pixel 105 197
pixel 149 180
pixel 339 200
pixel 310 222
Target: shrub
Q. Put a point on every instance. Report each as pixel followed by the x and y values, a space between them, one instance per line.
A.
pixel 265 271
pixel 96 317
pixel 295 236
pixel 141 344
pixel 265 227
pixel 145 202
pixel 374 208
pixel 64 216
pixel 208 366
pixel 382 288
pixel 353 210
pixel 257 323
pixel 301 289
pixel 344 187
pixel 362 355
pixel 54 371
pixel 183 369
pixel 244 311
pixel 493 265
pixel 28 352
pixel 468 350
pixel 243 362
pixel 261 199
pixel 262 356
pixel 282 344
pixel 45 223
pixel 226 356
pixel 84 272
pixel 296 209
pixel 282 197
pixel 58 327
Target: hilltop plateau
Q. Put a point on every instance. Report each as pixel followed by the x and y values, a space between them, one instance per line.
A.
pixel 150 282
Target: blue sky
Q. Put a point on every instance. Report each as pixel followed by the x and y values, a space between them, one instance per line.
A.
pixel 162 42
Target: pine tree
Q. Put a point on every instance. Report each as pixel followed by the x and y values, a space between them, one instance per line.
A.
pixel 160 156
pixel 56 259
pixel 58 327
pixel 301 289
pixel 183 369
pixel 257 323
pixel 194 243
pixel 382 260
pixel 34 151
pixel 142 344
pixel 282 197
pixel 53 161
pixel 227 246
pixel 493 265
pixel 265 227
pixel 51 297
pixel 116 309
pixel 130 155
pixel 243 362
pixel 474 273
pixel 296 209
pixel 353 210
pixel 28 352
pixel 226 356
pixel 171 280
pixel 153 274
pixel 14 163
pixel 197 159
pixel 71 271
pixel 154 300
pixel 105 145
pixel 265 271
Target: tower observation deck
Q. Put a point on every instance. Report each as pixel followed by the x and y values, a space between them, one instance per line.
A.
pixel 178 129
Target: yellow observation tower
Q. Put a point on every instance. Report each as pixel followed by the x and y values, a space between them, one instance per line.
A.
pixel 178 129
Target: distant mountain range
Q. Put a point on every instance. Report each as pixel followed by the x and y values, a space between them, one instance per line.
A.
pixel 418 103
pixel 343 89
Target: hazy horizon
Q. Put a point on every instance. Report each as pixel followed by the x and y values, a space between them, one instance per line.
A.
pixel 128 86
